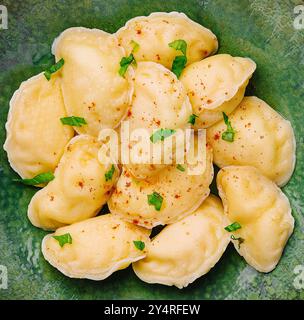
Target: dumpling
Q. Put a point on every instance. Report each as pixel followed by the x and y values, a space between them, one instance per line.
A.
pixel 35 136
pixel 262 210
pixel 79 190
pixel 216 85
pixel 92 87
pixel 184 251
pixel 99 246
pixel 164 197
pixel 263 139
pixel 160 102
pixel 155 32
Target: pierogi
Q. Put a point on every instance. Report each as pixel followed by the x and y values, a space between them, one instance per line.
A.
pixel 263 139
pixel 98 247
pixel 79 190
pixel 187 249
pixel 262 210
pixel 216 85
pixel 35 136
pixel 154 33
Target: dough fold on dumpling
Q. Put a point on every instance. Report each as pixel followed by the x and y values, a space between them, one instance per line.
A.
pixel 79 190
pixel 154 33
pixel 160 102
pixel 184 251
pixel 181 193
pixel 262 210
pixel 100 246
pixel 92 87
pixel 35 136
pixel 216 85
pixel 263 139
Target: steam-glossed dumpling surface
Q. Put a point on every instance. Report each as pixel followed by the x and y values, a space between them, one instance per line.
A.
pixel 181 192
pixel 262 210
pixel 263 139
pixel 187 249
pixel 100 246
pixel 216 85
pixel 92 86
pixel 35 136
pixel 79 189
pixel 155 32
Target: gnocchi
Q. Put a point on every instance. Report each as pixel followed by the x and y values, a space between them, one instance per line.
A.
pixel 92 87
pixel 187 249
pixel 154 33
pixel 180 194
pixel 35 136
pixel 257 125
pixel 99 246
pixel 216 85
pixel 262 210
pixel 79 190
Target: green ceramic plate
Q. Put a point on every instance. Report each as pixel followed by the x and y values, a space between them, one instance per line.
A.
pixel 262 30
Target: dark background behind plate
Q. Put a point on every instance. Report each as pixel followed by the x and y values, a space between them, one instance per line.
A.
pixel 262 30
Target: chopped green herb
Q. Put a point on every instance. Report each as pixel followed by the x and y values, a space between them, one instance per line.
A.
pixel 229 134
pixel 178 65
pixel 161 134
pixel 240 240
pixel 41 178
pixel 180 45
pixel 192 119
pixel 233 227
pixel 109 174
pixel 135 46
pixel 54 68
pixel 124 64
pixel 139 245
pixel 73 121
pixel 179 62
pixel 156 200
pixel 180 168
pixel 63 239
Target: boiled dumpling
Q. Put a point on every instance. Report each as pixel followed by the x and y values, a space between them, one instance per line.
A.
pixel 97 247
pixel 263 139
pixel 35 136
pixel 160 102
pixel 216 85
pixel 154 33
pixel 79 190
pixel 164 197
pixel 187 249
pixel 92 87
pixel 262 210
